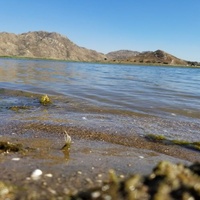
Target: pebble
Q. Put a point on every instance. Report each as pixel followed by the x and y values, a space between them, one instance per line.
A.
pixel 15 159
pixel 141 157
pixel 122 176
pixel 52 191
pixel 106 197
pixel 95 194
pixel 88 180
pixel 36 174
pixel 105 188
pixel 99 175
pixel 49 175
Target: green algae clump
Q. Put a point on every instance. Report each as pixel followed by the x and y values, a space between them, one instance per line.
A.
pixel 18 108
pixel 45 100
pixel 156 137
pixel 183 143
pixel 167 181
pixel 197 145
pixel 10 147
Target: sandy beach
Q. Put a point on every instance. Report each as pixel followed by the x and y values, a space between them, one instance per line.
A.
pixel 86 165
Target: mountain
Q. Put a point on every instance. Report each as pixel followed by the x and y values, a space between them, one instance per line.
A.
pixel 148 57
pixel 121 54
pixel 42 44
pixel 51 45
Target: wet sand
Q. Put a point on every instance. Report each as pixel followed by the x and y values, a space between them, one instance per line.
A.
pixel 85 165
pixel 101 141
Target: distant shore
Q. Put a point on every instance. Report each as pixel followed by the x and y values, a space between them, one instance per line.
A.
pixel 100 62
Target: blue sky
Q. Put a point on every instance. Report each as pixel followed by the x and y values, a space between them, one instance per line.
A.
pixel 109 25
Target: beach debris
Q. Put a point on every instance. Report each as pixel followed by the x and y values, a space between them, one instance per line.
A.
pixel 44 100
pixel 36 174
pixel 68 141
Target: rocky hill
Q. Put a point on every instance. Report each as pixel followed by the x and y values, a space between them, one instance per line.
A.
pixel 148 57
pixel 121 54
pixel 42 44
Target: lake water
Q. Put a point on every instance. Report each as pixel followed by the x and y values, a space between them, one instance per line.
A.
pixel 122 98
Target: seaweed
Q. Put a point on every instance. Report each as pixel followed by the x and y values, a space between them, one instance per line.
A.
pixel 167 181
pixel 155 137
pixel 18 108
pixel 45 100
pixel 184 143
pixel 10 147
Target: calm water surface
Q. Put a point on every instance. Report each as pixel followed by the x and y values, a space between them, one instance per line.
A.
pixel 146 99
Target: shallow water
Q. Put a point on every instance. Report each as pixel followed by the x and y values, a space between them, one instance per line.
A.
pixel 123 99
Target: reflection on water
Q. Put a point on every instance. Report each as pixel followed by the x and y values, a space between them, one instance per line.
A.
pixel 34 73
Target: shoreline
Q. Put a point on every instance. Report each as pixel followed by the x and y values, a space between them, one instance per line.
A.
pixel 91 134
pixel 99 62
pixel 87 164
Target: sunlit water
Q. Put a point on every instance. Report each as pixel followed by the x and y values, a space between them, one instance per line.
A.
pixel 140 99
